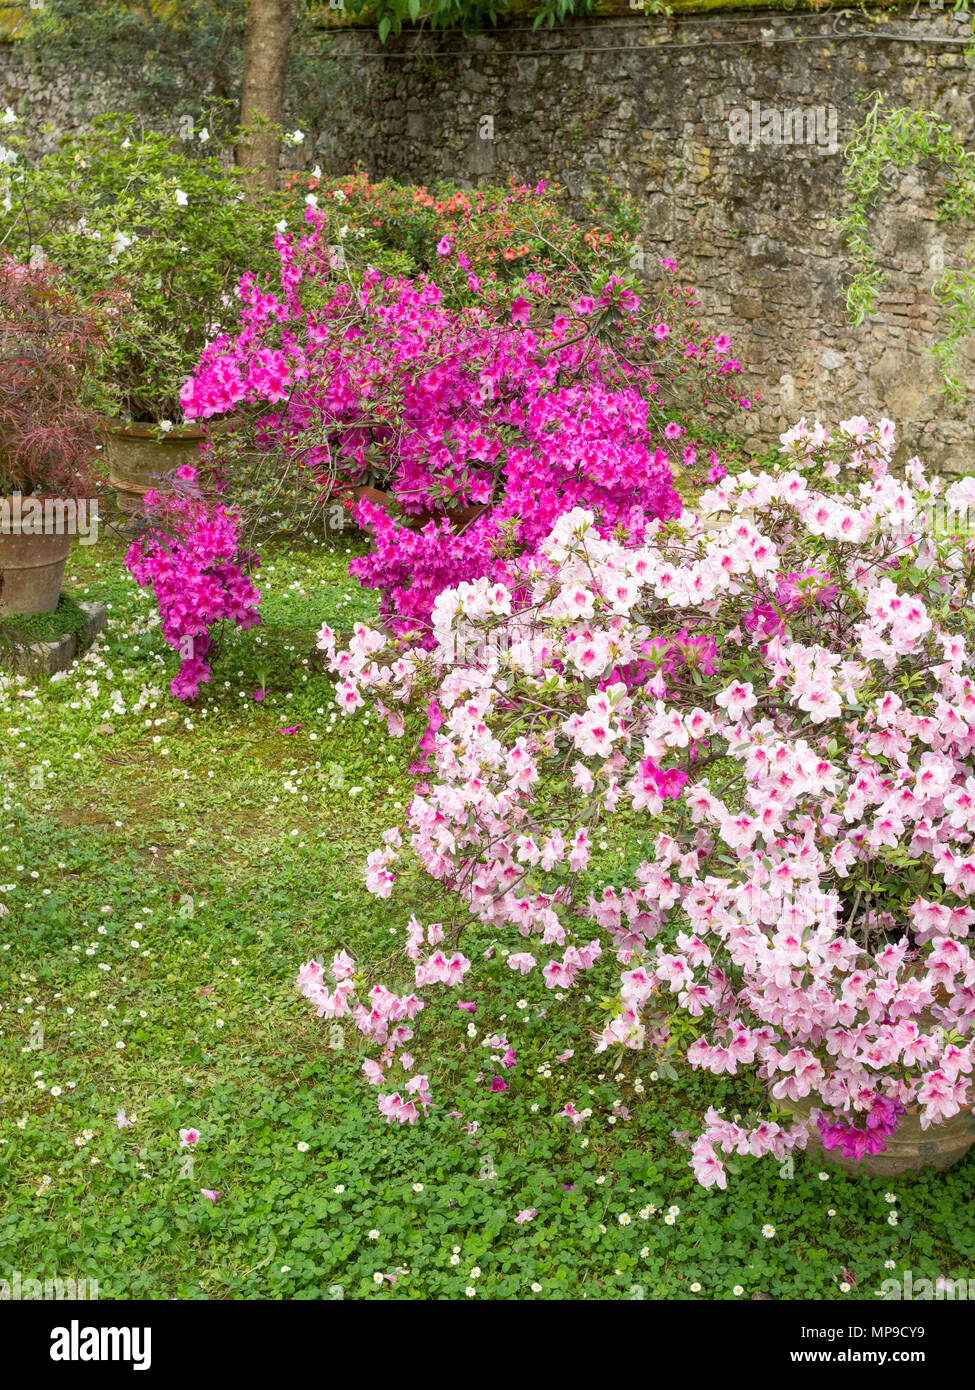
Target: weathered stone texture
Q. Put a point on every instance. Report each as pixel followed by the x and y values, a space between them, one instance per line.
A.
pixel 649 103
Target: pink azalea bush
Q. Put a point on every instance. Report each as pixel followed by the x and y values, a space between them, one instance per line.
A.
pixel 517 405
pixel 190 557
pixel 783 685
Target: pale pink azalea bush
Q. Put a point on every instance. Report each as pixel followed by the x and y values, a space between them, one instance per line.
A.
pixel 787 693
pixel 519 403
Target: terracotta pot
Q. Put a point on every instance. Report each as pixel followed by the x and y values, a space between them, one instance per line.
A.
pixel 909 1149
pixel 31 572
pixel 459 517
pixel 139 461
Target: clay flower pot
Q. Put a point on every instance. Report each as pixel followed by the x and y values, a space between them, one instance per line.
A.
pixel 459 517
pixel 31 571
pixel 141 461
pixel 909 1149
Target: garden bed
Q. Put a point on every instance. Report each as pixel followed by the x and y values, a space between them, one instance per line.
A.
pixel 180 875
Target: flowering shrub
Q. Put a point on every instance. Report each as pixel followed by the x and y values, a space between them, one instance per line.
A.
pixel 509 406
pixel 190 557
pixel 162 227
pixel 502 234
pixel 789 693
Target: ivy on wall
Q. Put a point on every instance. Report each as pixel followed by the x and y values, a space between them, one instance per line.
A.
pixel 889 141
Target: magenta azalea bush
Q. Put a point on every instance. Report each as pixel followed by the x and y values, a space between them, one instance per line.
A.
pixel 190 556
pixel 783 687
pixel 517 406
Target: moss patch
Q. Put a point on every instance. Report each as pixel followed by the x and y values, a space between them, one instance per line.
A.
pixel 67 618
pixel 516 12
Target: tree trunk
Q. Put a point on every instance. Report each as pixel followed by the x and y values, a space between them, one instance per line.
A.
pixel 266 38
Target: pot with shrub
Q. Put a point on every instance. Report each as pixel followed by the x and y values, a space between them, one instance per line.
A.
pixel 49 342
pixel 788 705
pixel 163 225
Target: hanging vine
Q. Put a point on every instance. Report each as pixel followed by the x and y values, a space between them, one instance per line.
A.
pixel 889 141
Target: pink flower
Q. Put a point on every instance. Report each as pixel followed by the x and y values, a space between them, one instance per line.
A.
pixel 526 1214
pixel 521 961
pixel 188 1138
pixel 497 1084
pixel 443 246
pixel 520 310
pixel 210 1194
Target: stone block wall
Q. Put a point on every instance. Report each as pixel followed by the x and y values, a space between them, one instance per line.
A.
pixel 668 108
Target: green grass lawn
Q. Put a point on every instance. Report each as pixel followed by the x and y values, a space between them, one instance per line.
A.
pixel 167 869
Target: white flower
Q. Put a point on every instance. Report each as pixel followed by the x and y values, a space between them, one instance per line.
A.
pixel 9 116
pixel 281 226
pixel 302 1147
pixel 204 136
pixel 181 199
pixel 311 200
pixel 377 1278
pixel 296 137
pixel 768 1232
pixel 737 1290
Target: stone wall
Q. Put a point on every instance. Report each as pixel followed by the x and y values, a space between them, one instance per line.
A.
pixel 651 103
pixel 667 108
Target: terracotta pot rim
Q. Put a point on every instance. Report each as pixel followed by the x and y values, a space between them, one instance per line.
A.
pixel 38 538
pixel 190 430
